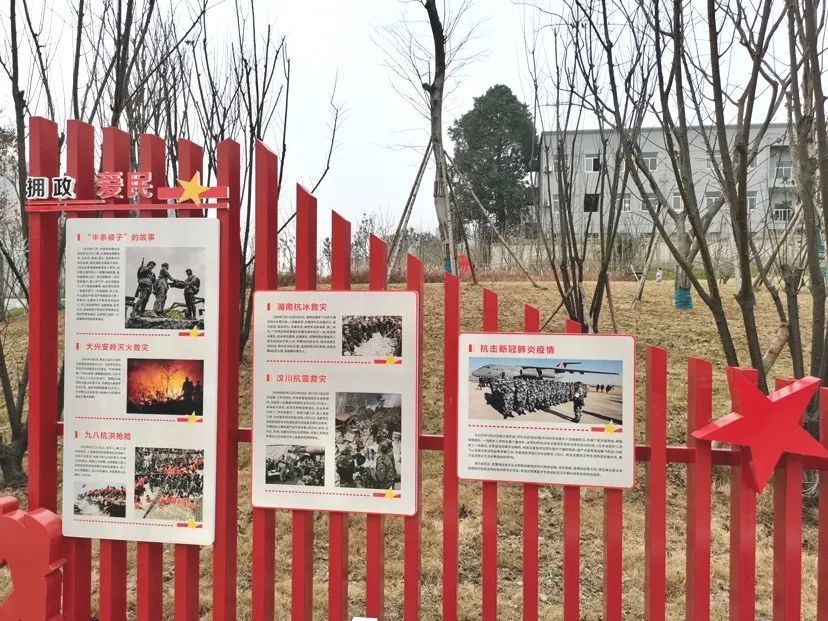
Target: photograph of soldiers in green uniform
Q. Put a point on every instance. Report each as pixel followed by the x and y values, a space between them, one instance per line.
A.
pixel 164 288
pixel 368 436
pixel 546 390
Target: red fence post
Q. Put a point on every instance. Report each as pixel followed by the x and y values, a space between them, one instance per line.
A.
pixel 150 556
pixel 302 530
pixel 225 559
pixel 699 413
pixel 77 573
pixel 822 522
pixel 115 153
pixel 411 527
pixel 572 534
pixel 531 323
pixel 742 530
pixel 489 578
pixel 43 305
pixel 375 523
pixel 266 277
pixel 451 333
pixel 338 522
pixel 187 559
pixel 655 543
pixel 787 535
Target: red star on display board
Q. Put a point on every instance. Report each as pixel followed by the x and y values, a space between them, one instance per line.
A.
pixel 767 425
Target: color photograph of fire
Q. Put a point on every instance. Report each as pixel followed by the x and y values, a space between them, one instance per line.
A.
pixel 164 386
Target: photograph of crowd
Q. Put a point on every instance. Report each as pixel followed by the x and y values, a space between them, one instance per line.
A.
pixel 169 483
pixel 100 498
pixel 164 288
pixel 368 435
pixel 372 335
pixel 162 386
pixel 588 392
pixel 289 464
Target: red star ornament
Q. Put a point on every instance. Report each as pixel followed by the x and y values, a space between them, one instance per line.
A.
pixel 767 425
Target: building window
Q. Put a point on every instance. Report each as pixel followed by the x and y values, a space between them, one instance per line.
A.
pixel 678 204
pixel 710 200
pixel 652 198
pixel 650 160
pixel 591 203
pixel 592 162
pixel 556 203
pixel 782 212
pixel 624 203
pixel 781 161
pixel 752 200
pixel 559 162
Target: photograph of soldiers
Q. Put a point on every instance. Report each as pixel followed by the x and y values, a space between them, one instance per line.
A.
pixel 546 390
pixel 100 499
pixel 166 297
pixel 165 386
pixel 368 436
pixel 372 335
pixel 169 484
pixel 290 464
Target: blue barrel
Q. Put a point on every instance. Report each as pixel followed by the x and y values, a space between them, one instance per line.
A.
pixel 684 301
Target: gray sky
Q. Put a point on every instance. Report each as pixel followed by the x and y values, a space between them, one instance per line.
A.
pixel 381 137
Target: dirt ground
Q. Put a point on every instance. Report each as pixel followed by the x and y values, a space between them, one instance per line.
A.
pixel 656 322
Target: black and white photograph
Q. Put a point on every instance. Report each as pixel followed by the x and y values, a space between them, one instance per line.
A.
pixel 164 288
pixel 100 498
pixel 588 392
pixel 169 484
pixel 368 436
pixel 291 464
pixel 377 336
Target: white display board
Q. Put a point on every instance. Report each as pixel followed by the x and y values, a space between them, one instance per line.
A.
pixel 335 401
pixel 141 345
pixel 547 408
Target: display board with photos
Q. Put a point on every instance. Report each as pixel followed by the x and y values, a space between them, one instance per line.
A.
pixel 335 404
pixel 141 345
pixel 547 408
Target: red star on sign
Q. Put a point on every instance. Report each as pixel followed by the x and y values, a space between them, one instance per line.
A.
pixel 768 425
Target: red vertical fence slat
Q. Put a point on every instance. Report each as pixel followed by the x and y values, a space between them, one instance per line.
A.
pixel 115 156
pixel 225 557
pixel 150 556
pixel 572 534
pixel 190 158
pixel 451 332
pixel 699 413
pixel 655 542
pixel 489 579
pixel 742 531
pixel 187 559
pixel 77 573
pixel 822 522
pixel 411 525
pixel 374 523
pixel 787 535
pixel 338 522
pixel 302 521
pixel 265 278
pixel 531 323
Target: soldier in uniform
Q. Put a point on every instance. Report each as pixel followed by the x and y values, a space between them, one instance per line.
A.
pixel 191 287
pixel 160 288
pixel 578 400
pixel 146 280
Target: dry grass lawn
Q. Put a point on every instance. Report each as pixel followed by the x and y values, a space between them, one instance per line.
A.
pixel 656 322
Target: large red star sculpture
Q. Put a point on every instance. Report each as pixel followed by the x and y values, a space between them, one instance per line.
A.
pixel 768 425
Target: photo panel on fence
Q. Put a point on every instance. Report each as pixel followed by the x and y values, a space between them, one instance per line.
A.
pixel 141 346
pixel 335 401
pixel 547 408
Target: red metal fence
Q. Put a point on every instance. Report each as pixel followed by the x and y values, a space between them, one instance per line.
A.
pixel 147 584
